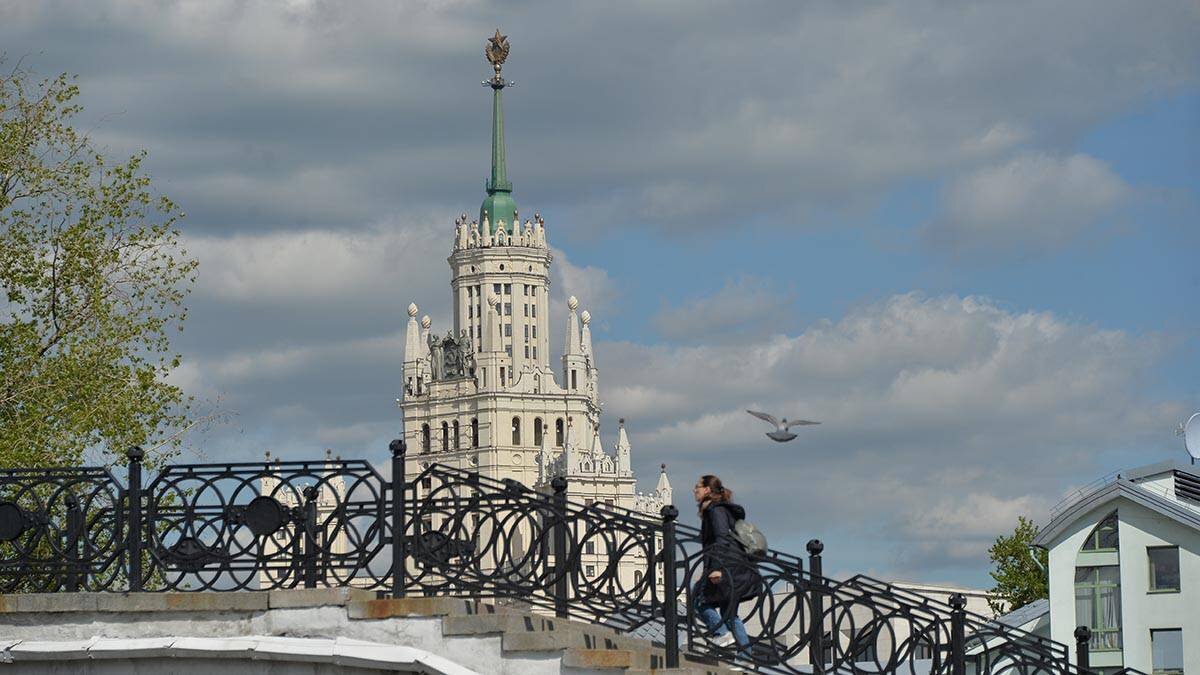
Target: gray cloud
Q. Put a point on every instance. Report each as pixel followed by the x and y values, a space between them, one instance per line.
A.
pixel 1029 204
pixel 321 115
pixel 745 307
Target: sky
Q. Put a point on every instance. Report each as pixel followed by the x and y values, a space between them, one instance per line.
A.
pixel 961 235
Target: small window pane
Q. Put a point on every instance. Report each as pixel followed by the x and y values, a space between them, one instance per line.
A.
pixel 1164 568
pixel 1104 536
pixel 1166 647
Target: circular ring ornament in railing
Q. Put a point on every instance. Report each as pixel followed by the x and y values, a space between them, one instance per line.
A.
pixel 12 521
pixel 264 516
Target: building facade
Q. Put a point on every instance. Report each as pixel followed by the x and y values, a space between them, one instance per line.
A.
pixel 1124 560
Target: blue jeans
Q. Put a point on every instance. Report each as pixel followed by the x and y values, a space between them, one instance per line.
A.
pixel 711 615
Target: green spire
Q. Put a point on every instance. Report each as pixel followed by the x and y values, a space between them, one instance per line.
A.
pixel 499 204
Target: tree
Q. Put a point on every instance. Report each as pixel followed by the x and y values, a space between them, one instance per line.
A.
pixel 1019 578
pixel 92 281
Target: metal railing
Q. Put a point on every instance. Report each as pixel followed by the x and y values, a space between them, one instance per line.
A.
pixel 268 525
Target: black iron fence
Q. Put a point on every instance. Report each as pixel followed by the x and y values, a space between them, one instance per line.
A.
pixel 268 525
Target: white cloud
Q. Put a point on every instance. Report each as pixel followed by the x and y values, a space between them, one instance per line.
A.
pixel 942 419
pixel 595 289
pixel 1031 203
pixel 313 267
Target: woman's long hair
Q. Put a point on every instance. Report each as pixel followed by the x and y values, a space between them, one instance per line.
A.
pixel 717 492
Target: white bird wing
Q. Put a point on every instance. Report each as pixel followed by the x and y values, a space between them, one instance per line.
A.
pixel 800 423
pixel 764 417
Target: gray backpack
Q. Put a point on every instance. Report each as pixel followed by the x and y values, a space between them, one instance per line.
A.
pixel 752 541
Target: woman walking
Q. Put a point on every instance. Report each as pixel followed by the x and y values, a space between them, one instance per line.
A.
pixel 729 576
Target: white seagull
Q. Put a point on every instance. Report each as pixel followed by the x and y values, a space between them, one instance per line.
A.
pixel 781 433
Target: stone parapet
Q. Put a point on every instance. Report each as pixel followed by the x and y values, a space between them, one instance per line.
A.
pixel 325 627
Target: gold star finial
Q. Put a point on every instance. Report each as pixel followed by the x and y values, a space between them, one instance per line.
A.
pixel 496 50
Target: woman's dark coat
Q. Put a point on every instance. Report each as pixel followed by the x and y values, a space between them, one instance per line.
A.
pixel 722 552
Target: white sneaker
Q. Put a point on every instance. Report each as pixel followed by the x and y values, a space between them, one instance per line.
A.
pixel 724 640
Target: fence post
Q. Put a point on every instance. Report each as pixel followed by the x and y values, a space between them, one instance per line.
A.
pixel 134 536
pixel 958 640
pixel 560 546
pixel 399 523
pixel 310 537
pixel 816 611
pixel 73 544
pixel 670 587
pixel 1083 636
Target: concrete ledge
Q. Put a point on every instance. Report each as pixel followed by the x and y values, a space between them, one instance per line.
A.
pixel 599 658
pixel 132 602
pixel 398 607
pixel 316 597
pixel 340 651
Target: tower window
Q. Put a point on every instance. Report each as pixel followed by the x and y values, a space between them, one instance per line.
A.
pixel 535 351
pixel 558 432
pixel 508 350
pixel 574 380
pixel 470 311
pixel 502 376
pixel 533 310
pixel 425 438
pixel 526 351
pixel 445 436
pixel 537 431
pixel 508 330
pixel 474 432
pixel 526 331
pixel 508 309
pixel 516 430
pixel 534 331
pixel 526 305
pixel 508 289
pixel 496 289
pixel 457 440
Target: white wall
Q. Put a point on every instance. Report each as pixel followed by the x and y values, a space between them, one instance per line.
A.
pixel 1138 528
pixel 1141 610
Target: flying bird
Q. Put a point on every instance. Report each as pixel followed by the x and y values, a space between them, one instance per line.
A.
pixel 781 433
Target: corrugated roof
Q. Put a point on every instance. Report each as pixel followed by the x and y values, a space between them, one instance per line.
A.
pixel 1023 615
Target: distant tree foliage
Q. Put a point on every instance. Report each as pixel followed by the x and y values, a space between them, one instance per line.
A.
pixel 1019 580
pixel 92 281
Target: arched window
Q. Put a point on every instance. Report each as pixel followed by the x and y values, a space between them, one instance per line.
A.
pixel 424 438
pixel 1098 584
pixel 537 432
pixel 474 432
pixel 1104 536
pixel 558 432
pixel 516 430
pixel 457 440
pixel 445 436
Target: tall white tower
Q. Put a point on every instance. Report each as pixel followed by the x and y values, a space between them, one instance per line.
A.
pixel 483 396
